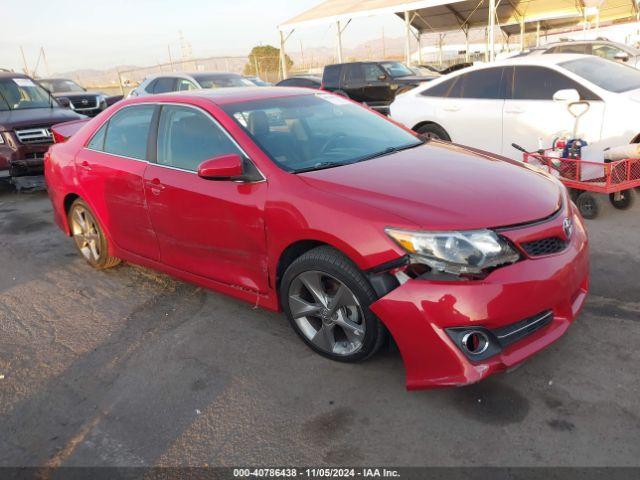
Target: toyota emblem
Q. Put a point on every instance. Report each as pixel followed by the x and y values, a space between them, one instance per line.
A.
pixel 567 227
pixel 85 101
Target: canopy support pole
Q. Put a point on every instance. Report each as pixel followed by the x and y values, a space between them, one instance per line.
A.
pixel 407 38
pixel 283 55
pixel 339 38
pixel 522 34
pixel 537 34
pixel 492 24
pixel 466 41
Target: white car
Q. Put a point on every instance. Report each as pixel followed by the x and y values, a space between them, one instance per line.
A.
pixel 177 82
pixel 525 101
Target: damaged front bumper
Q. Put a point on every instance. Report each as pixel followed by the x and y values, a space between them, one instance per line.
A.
pixel 518 310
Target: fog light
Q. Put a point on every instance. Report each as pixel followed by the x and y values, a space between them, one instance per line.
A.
pixel 475 343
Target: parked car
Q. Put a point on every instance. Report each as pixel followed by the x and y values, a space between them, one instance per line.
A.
pixel 259 82
pixel 524 100
pixel 354 228
pixel 27 112
pixel 307 81
pixel 601 47
pixel 178 82
pixel 373 83
pixel 455 67
pixel 69 93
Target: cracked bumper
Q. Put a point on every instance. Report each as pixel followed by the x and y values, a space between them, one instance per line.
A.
pixel 417 313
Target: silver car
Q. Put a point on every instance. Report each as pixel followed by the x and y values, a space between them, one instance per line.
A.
pixel 601 47
pixel 177 82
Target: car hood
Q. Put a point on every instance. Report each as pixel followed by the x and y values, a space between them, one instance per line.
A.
pixel 441 186
pixel 35 117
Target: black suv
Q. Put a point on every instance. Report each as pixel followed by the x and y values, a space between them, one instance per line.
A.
pixel 373 83
pixel 27 112
pixel 77 98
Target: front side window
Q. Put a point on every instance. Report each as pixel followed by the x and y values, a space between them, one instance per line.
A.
pixel 310 132
pixel 187 137
pixel 612 76
pixel 372 72
pixel 22 93
pixel 127 132
pixel 354 74
pixel 606 51
pixel 540 83
pixel 184 85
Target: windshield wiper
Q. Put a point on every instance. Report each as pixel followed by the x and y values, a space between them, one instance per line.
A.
pixel 388 151
pixel 319 166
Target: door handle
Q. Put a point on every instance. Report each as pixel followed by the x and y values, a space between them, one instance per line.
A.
pixel 514 110
pixel 451 108
pixel 155 186
pixel 85 165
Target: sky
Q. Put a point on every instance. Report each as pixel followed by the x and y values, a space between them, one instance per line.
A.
pixel 94 34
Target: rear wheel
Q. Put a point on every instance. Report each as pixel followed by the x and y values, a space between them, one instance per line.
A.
pixel 89 238
pixel 623 199
pixel 432 131
pixel 326 299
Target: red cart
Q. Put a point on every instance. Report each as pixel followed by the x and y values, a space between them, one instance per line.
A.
pixel 592 184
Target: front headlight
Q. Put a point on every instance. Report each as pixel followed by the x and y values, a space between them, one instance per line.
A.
pixel 457 252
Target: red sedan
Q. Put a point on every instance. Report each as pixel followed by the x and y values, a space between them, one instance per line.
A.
pixel 358 230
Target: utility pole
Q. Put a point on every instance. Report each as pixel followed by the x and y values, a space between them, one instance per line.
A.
pixel 384 46
pixel 46 62
pixel 170 57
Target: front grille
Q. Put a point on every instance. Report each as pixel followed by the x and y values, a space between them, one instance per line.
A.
pixel 545 246
pixel 517 331
pixel 31 136
pixel 88 102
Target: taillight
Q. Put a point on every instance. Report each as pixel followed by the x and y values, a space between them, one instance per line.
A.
pixel 58 137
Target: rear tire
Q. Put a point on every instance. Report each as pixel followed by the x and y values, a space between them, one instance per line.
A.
pixel 623 200
pixel 326 298
pixel 89 237
pixel 432 131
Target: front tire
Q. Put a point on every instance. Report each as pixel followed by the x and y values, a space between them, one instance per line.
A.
pixel 326 299
pixel 89 237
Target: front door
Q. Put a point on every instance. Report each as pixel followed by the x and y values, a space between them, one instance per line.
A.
pixel 214 229
pixel 533 119
pixel 111 171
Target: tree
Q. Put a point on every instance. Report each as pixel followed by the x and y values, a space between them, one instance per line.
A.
pixel 264 62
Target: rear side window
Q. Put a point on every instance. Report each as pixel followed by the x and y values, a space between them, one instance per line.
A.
pixel 442 89
pixel 187 137
pixel 484 84
pixel 149 88
pixel 127 133
pixel 353 74
pixel 331 76
pixel 164 85
pixel 583 48
pixel 97 142
pixel 540 83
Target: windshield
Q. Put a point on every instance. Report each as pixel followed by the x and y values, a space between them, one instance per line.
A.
pixel 61 86
pixel 310 132
pixel 396 69
pixel 223 81
pixel 22 93
pixel 612 76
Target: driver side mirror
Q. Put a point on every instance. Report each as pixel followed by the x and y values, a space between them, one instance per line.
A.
pixel 223 167
pixel 382 77
pixel 621 57
pixel 568 95
pixel 64 102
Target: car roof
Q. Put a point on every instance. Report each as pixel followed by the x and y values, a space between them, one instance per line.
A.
pixel 547 59
pixel 4 74
pixel 231 95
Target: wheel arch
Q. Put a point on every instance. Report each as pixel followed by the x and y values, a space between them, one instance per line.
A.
pixel 428 122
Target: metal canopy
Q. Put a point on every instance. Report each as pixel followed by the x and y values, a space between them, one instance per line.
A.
pixel 439 16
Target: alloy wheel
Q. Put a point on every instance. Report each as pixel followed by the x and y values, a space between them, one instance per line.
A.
pixel 327 313
pixel 86 233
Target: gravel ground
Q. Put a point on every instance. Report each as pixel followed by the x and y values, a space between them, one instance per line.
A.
pixel 129 367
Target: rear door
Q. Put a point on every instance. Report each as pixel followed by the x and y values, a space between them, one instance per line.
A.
pixel 353 81
pixel 111 170
pixel 471 110
pixel 214 229
pixel 532 116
